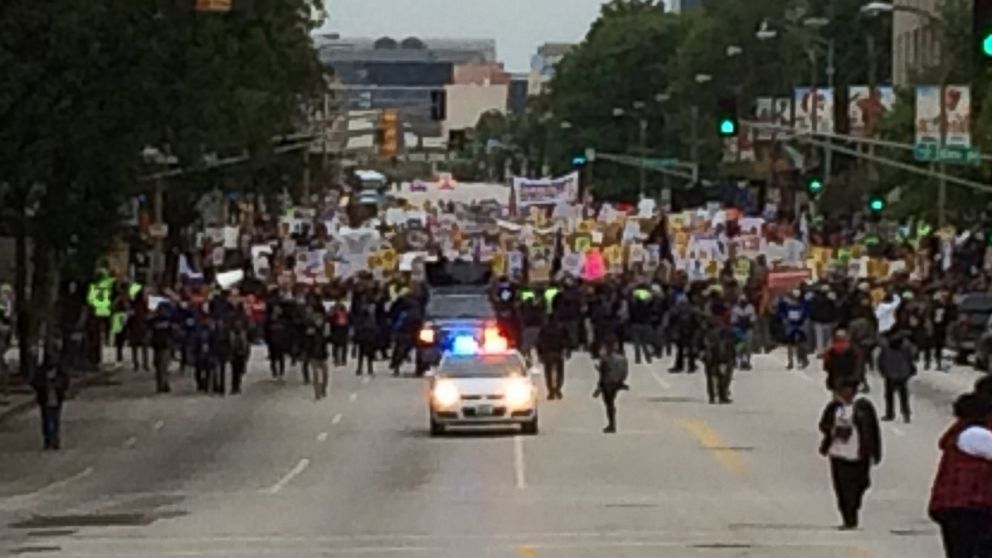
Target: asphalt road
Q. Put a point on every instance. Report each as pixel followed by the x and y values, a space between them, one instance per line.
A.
pixel 274 473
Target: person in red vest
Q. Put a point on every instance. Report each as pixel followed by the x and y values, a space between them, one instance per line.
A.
pixel 961 496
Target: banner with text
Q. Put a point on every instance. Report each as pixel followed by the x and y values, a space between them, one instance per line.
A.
pixel 546 191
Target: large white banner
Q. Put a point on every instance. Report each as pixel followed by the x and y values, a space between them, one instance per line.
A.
pixel 957 110
pixel 865 108
pixel 546 191
pixel 814 109
pixel 927 114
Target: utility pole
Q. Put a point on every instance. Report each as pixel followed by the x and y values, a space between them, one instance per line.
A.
pixel 644 154
pixel 828 155
pixel 158 263
pixel 694 135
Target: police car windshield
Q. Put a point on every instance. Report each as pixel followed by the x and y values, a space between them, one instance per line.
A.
pixel 462 306
pixel 485 366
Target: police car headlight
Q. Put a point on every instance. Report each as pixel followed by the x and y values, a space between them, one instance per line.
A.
pixel 519 393
pixel 445 394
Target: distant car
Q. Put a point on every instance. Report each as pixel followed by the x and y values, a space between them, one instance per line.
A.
pixel 974 311
pixel 482 389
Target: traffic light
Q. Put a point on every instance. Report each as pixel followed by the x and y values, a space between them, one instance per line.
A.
pixel 814 185
pixel 982 32
pixel 579 161
pixel 389 130
pixel 726 115
pixel 876 204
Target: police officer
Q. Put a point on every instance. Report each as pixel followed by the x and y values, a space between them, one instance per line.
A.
pixel 162 338
pixel 613 370
pixel 532 319
pixel 551 347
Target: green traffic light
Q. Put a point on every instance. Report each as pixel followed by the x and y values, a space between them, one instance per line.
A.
pixel 727 127
pixel 815 186
pixel 987 45
pixel 877 204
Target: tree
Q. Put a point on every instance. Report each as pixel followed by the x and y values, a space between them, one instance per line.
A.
pixel 91 84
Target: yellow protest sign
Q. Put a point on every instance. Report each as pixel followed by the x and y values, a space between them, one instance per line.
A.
pixel 388 259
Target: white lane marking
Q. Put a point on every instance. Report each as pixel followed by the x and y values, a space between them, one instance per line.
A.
pixel 366 379
pixel 288 478
pixel 336 419
pixel 518 462
pixel 353 397
pixel 661 381
pixel 159 425
pixel 322 437
pixel 130 442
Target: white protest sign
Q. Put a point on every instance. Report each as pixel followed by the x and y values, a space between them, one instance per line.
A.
pixel 227 279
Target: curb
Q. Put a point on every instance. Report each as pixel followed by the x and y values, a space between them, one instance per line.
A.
pixel 22 407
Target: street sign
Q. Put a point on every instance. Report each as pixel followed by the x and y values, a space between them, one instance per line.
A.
pixel 954 154
pixel 926 151
pixel 960 155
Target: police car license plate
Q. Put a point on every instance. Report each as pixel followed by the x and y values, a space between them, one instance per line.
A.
pixel 484 410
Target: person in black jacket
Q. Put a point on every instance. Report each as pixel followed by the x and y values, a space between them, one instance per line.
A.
pixel 853 442
pixel 684 327
pixel 641 333
pixel 613 371
pixel 50 383
pixel 824 313
pixel 551 346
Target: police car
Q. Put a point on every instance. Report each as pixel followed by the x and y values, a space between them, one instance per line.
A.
pixel 479 382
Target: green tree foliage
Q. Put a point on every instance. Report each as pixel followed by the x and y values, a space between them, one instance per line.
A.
pixel 89 85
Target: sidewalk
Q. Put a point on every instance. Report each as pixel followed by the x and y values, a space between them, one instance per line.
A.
pixel 20 396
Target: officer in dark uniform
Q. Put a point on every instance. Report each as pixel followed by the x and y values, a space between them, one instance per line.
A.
pixel 719 353
pixel 551 347
pixel 613 370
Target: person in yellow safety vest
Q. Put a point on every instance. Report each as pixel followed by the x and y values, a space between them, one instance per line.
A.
pixel 99 298
pixel 549 297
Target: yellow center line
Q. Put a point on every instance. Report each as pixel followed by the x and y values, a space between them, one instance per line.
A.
pixel 526 552
pixel 709 439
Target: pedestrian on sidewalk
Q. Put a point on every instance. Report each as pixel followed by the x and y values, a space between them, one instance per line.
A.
pixel 613 369
pixel 961 495
pixel 852 441
pixel 897 364
pixel 50 383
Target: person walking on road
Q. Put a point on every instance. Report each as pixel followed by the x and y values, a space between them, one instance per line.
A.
pixel 897 364
pixel 824 314
pixel 551 346
pixel 162 339
pixel 792 311
pixel 315 343
pixel 684 325
pixel 340 329
pixel 852 441
pixel 743 318
pixel 366 337
pixel 276 337
pixel 942 314
pixel 840 361
pixel 220 355
pixel 961 495
pixel 641 331
pixel 50 385
pixel 240 353
pixel 718 361
pixel 613 370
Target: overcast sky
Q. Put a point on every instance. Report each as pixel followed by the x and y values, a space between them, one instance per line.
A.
pixel 519 26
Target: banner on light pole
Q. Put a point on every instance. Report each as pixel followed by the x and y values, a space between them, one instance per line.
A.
pixel 814 109
pixel 866 107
